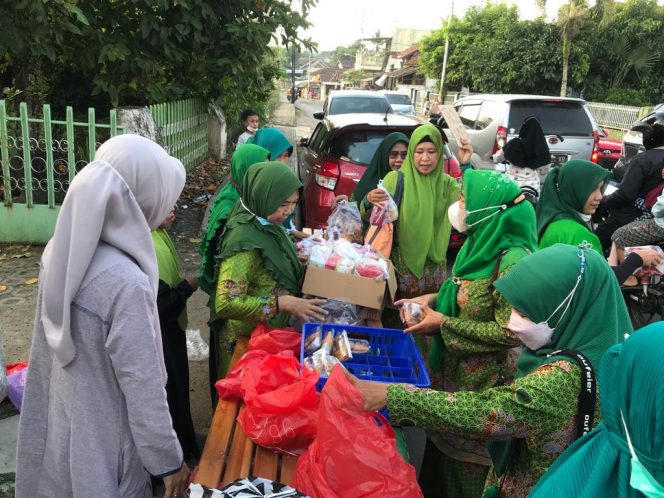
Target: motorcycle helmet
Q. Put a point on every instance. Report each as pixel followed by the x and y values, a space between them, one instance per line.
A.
pixel 653 134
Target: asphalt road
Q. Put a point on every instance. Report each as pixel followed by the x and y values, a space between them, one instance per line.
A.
pixel 304 120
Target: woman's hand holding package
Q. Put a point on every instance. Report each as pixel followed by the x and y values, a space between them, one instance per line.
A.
pixel 304 309
pixel 377 196
pixel 176 483
pixel 649 257
pixel 465 151
pixel 374 393
pixel 430 323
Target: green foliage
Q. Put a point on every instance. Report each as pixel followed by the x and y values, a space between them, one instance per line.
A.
pixel 627 96
pixel 146 51
pixel 342 52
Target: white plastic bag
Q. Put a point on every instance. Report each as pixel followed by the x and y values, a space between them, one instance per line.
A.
pixel 345 219
pixel 197 348
pixel 385 212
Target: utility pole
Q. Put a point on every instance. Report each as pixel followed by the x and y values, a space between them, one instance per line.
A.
pixel 293 94
pixel 447 48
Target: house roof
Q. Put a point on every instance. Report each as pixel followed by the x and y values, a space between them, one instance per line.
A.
pixel 404 71
pixel 328 73
pixel 410 51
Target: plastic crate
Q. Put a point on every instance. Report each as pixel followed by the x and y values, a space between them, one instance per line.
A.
pixel 394 357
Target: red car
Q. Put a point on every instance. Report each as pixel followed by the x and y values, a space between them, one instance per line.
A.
pixel 336 155
pixel 609 150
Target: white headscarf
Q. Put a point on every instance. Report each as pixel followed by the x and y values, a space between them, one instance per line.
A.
pixel 127 191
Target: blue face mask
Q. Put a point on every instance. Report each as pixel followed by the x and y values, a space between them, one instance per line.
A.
pixel 262 221
pixel 641 479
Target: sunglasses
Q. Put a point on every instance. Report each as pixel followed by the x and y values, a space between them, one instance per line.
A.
pixel 394 154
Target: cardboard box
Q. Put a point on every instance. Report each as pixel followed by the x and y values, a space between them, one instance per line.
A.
pixel 363 291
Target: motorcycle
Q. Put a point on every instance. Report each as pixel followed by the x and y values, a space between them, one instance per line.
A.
pixel 645 302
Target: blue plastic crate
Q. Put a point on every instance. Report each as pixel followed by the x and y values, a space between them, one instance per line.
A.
pixel 394 357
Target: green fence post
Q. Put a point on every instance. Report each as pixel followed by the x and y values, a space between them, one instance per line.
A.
pixel 92 136
pixel 48 138
pixel 27 157
pixel 71 147
pixel 113 122
pixel 4 155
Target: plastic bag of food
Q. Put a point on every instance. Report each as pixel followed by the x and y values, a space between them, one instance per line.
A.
pixel 340 312
pixel 385 212
pixel 197 348
pixel 376 269
pixel 318 255
pixel 412 313
pixel 345 219
pixel 653 270
pixel 359 346
pixel 342 350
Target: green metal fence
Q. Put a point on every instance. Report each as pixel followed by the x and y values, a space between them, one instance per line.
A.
pixel 39 157
pixel 183 125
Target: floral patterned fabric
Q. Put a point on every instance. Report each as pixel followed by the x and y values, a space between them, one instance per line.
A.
pixel 538 409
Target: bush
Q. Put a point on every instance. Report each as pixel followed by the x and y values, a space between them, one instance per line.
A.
pixel 627 96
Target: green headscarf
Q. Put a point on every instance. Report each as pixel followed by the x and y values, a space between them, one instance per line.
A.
pixel 169 265
pixel 511 228
pixel 423 229
pixel 264 188
pixel 271 139
pixel 631 381
pixel 566 190
pixel 242 159
pixel 379 165
pixel 595 320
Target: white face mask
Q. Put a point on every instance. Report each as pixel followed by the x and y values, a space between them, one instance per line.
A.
pixel 456 219
pixel 585 217
pixel 251 129
pixel 537 335
pixel 640 478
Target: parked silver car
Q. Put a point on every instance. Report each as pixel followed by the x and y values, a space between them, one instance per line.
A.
pixel 354 102
pixel 492 120
pixel 400 102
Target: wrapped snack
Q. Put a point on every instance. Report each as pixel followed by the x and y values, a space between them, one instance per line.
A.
pixel 319 255
pixel 345 249
pixel 345 219
pixel 328 342
pixel 332 261
pixel 342 350
pixel 345 265
pixel 359 346
pixel 372 268
pixel 650 271
pixel 385 212
pixel 340 312
pixel 412 313
pixel 314 341
pixel 317 362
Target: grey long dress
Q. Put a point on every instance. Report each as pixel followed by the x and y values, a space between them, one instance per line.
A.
pixel 96 427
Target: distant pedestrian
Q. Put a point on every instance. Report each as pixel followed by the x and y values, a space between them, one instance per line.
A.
pixel 434 110
pixel 251 122
pixel 95 419
pixel 172 295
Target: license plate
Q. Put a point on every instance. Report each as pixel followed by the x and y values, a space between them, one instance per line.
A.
pixel 557 159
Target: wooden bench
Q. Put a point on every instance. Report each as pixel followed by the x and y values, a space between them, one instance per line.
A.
pixel 229 454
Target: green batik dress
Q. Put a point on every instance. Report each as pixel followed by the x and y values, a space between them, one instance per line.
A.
pixel 246 295
pixel 539 410
pixel 480 354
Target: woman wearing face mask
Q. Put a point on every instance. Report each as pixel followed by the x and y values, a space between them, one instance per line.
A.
pixel 259 272
pixel 624 455
pixel 570 196
pixel 563 298
pixel 471 352
pixel 423 229
pixel 275 141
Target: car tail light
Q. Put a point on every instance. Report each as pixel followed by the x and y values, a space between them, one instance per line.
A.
pixel 328 175
pixel 501 139
pixel 595 154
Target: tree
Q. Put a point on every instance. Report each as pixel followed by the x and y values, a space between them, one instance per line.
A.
pixel 570 19
pixel 342 52
pixel 148 51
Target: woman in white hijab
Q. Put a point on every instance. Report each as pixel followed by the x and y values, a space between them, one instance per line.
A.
pixel 94 419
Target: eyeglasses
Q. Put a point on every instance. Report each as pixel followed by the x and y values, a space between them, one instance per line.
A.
pixel 395 153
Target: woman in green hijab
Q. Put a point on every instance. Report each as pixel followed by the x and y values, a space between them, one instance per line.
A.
pixel 242 159
pixel 472 351
pixel 259 272
pixel 570 196
pixel 275 141
pixel 419 250
pixel 624 456
pixel 563 297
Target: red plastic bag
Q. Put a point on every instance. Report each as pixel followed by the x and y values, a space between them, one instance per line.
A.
pixel 15 367
pixel 281 404
pixel 229 386
pixel 276 340
pixel 355 453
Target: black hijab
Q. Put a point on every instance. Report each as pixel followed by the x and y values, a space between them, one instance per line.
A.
pixel 530 149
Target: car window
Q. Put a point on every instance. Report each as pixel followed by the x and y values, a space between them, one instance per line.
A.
pixel 316 137
pixel 487 115
pixel 358 145
pixel 346 105
pixel 398 98
pixel 556 116
pixel 468 114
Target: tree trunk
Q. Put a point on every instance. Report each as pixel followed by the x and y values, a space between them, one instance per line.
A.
pixel 566 50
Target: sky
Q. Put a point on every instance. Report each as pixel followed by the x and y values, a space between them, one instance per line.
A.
pixel 341 22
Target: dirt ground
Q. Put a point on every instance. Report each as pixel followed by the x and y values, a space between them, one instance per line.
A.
pixel 19 269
